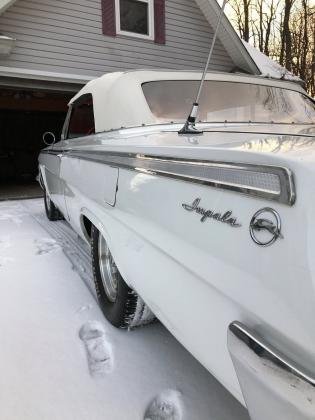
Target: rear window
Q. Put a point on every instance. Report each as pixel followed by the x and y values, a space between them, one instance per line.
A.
pixel 228 101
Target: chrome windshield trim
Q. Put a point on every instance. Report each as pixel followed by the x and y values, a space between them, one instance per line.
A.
pixel 198 171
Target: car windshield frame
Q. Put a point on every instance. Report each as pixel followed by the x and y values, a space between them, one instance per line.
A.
pixel 161 110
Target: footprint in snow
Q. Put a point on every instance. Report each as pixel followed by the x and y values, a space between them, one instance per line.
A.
pixel 98 348
pixel 84 308
pixel 166 406
pixel 5 260
pixel 14 217
pixel 46 245
pixel 5 242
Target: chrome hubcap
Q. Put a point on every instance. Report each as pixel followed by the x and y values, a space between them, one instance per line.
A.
pixel 108 270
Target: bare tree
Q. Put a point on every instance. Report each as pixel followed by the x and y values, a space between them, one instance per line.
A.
pixel 242 15
pixel 266 12
pixel 281 29
pixel 246 4
pixel 312 63
pixel 286 44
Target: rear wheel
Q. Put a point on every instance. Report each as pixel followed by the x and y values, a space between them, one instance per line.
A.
pixel 121 306
pixel 51 210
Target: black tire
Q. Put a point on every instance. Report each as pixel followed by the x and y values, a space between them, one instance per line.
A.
pixel 51 210
pixel 121 310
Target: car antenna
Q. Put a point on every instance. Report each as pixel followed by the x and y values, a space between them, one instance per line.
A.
pixel 189 127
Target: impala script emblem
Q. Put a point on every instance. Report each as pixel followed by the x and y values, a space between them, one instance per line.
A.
pixel 210 214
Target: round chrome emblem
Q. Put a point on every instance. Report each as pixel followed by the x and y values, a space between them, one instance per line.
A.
pixel 265 227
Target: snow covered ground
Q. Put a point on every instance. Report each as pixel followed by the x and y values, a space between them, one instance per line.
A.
pixel 60 359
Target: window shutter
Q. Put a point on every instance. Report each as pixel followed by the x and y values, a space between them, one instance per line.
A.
pixel 159 21
pixel 108 17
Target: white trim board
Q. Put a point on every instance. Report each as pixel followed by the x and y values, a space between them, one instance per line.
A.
pixel 5 4
pixel 44 75
pixel 6 45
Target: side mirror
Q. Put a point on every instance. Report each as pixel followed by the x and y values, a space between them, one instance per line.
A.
pixel 49 138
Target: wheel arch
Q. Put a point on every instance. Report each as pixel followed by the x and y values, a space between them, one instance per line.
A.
pixel 87 219
pixel 86 226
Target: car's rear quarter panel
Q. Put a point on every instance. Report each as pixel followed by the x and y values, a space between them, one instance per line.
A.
pixel 199 277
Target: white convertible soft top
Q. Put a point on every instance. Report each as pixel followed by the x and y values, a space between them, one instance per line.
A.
pixel 119 101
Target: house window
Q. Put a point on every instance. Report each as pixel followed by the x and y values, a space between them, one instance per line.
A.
pixel 135 18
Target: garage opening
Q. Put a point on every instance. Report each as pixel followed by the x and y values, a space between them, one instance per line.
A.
pixel 24 116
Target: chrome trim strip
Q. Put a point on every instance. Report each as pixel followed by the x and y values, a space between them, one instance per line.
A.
pixel 265 351
pixel 196 171
pixel 273 386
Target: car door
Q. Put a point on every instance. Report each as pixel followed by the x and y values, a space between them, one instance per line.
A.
pixel 79 128
pixel 87 181
pixel 50 164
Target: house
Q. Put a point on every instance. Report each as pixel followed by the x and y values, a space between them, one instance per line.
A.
pixel 50 48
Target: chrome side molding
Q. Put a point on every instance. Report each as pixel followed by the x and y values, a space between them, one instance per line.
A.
pixel 273 387
pixel 264 181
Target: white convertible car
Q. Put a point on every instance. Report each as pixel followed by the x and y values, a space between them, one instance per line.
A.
pixel 215 232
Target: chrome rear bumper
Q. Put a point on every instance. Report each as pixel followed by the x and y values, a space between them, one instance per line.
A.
pixel 273 387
